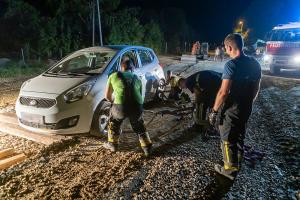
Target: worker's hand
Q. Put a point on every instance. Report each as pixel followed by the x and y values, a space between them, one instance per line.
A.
pixel 212 117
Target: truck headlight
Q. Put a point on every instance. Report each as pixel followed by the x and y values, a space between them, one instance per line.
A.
pixel 296 59
pixel 78 92
pixel 267 58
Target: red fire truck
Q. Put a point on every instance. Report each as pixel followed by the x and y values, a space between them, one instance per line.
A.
pixel 283 47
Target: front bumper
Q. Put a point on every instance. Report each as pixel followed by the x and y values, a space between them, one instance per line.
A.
pixel 284 62
pixel 61 118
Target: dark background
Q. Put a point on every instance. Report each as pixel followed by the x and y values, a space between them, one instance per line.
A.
pixel 180 22
pixel 213 19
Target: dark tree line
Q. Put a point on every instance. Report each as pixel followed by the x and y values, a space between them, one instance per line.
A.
pixel 53 28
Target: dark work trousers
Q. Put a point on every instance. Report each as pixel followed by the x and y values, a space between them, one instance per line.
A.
pixel 203 101
pixel 174 93
pixel 119 113
pixel 232 128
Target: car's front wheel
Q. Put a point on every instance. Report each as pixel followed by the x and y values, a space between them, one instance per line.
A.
pixel 100 119
pixel 159 95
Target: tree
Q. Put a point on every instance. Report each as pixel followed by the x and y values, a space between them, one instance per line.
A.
pixel 153 36
pixel 175 28
pixel 126 28
pixel 24 20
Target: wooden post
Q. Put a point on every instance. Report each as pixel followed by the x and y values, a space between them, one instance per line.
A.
pixel 93 21
pixel 6 163
pixel 23 58
pixel 99 19
pixel 6 152
pixel 166 48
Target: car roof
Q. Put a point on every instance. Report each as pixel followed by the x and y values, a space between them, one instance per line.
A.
pixel 111 47
pixel 287 26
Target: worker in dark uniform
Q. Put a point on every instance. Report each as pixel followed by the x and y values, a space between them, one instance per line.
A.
pixel 128 102
pixel 205 85
pixel 240 86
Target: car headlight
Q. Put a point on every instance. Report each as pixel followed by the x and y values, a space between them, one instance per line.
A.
pixel 267 58
pixel 296 59
pixel 78 92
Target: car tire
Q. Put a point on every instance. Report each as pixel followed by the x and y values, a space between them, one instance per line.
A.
pixel 159 96
pixel 100 119
pixel 274 70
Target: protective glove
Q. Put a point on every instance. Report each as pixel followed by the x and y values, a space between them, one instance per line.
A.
pixel 212 117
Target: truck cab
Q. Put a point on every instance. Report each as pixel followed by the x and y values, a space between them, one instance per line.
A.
pixel 283 48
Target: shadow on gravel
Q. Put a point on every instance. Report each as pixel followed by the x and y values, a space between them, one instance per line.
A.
pixel 218 188
pixel 175 141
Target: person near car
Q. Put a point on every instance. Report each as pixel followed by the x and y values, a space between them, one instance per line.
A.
pixel 222 52
pixel 126 88
pixel 175 91
pixel 239 88
pixel 205 85
pixel 217 54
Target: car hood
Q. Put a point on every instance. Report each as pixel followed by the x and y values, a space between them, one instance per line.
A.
pixel 52 85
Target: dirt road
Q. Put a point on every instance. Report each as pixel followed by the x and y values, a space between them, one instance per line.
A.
pixel 181 168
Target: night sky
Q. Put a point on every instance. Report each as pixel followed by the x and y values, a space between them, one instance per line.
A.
pixel 212 20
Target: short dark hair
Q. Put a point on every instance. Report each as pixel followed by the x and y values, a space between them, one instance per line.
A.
pixel 127 64
pixel 234 40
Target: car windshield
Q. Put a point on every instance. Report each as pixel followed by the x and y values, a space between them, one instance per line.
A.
pixel 292 35
pixel 84 62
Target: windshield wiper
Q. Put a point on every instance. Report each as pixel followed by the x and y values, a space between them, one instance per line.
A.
pixel 70 74
pixel 50 74
pixel 92 73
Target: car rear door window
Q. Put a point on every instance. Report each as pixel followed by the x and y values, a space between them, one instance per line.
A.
pixel 145 57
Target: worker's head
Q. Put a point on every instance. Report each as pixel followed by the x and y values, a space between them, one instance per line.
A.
pixel 181 83
pixel 126 65
pixel 169 74
pixel 234 44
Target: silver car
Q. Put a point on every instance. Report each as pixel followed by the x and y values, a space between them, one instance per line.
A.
pixel 69 97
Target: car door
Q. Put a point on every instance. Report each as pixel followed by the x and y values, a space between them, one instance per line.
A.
pixel 147 69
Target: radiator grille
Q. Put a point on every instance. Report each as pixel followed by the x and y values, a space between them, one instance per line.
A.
pixel 37 102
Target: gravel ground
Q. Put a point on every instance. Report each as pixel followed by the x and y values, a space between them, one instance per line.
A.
pixel 275 130
pixel 181 167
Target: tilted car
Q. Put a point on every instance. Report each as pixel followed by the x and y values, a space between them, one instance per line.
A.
pixel 68 98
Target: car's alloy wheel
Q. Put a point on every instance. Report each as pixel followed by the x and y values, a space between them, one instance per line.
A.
pixel 100 120
pixel 160 89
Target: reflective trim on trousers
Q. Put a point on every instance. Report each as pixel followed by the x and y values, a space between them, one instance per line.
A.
pixel 144 139
pixel 228 161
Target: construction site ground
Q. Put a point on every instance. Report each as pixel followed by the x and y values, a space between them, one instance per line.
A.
pixel 182 166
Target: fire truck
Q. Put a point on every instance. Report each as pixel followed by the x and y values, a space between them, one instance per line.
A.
pixel 283 47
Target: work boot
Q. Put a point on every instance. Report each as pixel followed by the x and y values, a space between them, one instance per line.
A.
pixel 112 140
pixel 110 146
pixel 147 150
pixel 229 173
pixel 146 143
